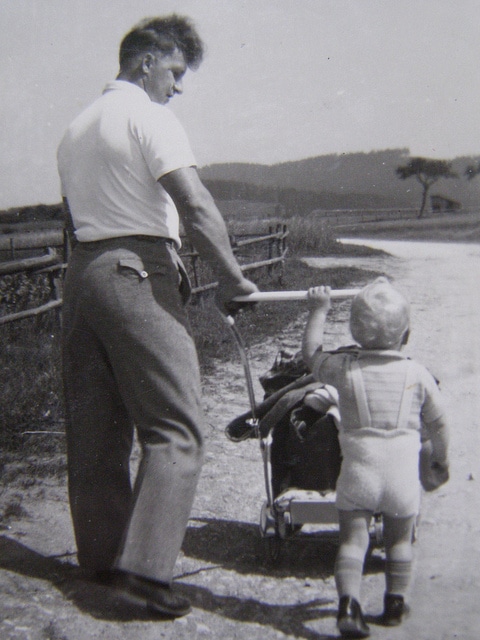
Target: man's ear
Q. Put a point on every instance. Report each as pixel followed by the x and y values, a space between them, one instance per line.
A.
pixel 405 337
pixel 147 61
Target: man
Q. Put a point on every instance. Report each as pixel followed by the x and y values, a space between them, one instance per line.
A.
pixel 128 174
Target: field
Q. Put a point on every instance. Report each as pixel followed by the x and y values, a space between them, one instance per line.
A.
pixel 235 594
pixel 457 227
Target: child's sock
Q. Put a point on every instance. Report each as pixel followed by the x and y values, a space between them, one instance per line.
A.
pixel 397 576
pixel 348 576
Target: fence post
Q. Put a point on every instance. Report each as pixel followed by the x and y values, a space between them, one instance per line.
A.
pixel 282 245
pixel 270 250
pixel 194 269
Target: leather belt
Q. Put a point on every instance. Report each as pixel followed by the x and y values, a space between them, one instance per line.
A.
pixel 153 239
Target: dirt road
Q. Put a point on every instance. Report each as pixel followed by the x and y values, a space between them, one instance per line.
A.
pixel 236 594
pixel 442 282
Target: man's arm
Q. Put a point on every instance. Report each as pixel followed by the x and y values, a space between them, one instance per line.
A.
pixel 206 229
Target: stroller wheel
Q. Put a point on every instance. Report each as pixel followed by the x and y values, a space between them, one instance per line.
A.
pixel 267 521
pixel 378 528
pixel 273 546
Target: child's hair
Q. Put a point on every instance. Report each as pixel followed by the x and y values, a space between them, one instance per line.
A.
pixel 380 316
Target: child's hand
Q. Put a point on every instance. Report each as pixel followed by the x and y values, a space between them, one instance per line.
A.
pixel 438 474
pixel 319 298
pixel 432 473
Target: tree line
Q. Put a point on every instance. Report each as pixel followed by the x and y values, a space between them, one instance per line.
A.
pixel 290 201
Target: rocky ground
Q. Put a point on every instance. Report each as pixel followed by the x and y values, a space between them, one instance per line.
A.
pixel 237 593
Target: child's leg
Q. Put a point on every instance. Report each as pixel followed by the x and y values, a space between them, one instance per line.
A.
pixel 398 533
pixel 354 541
pixel 398 546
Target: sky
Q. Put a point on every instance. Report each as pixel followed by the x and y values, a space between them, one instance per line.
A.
pixel 282 79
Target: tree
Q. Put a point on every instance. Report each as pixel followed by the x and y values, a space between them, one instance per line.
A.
pixel 427 172
pixel 472 170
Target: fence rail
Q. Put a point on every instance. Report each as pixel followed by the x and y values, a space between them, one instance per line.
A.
pixel 57 248
pixel 15 244
pixel 339 218
pixel 30 264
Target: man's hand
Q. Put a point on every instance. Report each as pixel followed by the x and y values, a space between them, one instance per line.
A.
pixel 227 290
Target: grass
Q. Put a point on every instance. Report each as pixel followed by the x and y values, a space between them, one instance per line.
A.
pixel 30 381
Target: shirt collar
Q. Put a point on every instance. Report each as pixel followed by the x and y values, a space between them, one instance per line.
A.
pixel 388 353
pixel 123 85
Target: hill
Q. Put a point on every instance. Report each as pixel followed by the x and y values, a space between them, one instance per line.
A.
pixel 347 181
pixel 357 181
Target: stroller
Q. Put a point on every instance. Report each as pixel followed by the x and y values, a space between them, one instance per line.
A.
pixel 296 425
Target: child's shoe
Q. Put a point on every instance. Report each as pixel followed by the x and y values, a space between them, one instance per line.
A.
pixel 350 620
pixel 395 610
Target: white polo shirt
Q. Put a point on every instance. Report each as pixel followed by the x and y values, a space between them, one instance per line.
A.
pixel 110 160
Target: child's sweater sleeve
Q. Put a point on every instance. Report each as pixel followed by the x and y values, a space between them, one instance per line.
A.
pixel 433 406
pixel 329 366
pixel 435 421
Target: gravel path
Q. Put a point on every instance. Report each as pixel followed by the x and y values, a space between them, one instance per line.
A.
pixel 236 593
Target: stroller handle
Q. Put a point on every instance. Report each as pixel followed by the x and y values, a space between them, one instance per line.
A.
pixel 278 296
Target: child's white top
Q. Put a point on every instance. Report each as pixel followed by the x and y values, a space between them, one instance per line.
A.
pixel 384 375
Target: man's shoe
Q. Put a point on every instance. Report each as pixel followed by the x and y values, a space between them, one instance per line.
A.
pixel 394 611
pixel 350 620
pixel 156 597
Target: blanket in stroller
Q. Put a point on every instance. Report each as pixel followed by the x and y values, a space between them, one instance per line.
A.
pixel 301 419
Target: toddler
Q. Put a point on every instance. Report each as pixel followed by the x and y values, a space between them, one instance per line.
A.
pixel 385 399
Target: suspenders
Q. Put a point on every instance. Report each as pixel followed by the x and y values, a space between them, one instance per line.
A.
pixel 361 396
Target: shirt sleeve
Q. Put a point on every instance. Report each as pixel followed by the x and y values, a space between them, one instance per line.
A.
pixel 318 359
pixel 433 406
pixel 327 367
pixel 163 142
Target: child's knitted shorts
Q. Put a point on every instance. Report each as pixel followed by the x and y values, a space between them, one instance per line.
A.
pixel 379 472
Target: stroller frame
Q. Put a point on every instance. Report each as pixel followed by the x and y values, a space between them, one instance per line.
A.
pixel 295 513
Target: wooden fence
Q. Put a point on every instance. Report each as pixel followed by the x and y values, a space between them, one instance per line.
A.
pixel 54 249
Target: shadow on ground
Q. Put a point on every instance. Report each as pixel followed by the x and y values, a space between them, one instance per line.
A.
pixel 238 546
pixel 231 545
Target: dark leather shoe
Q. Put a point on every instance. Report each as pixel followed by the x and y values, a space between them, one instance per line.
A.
pixel 394 611
pixel 350 620
pixel 156 597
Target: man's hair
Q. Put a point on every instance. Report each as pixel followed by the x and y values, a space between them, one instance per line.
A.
pixel 164 34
